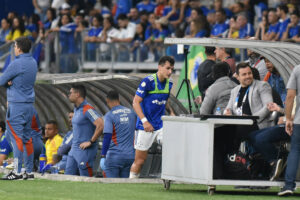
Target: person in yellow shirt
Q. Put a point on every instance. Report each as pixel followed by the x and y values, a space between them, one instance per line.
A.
pixel 54 140
pixel 18 30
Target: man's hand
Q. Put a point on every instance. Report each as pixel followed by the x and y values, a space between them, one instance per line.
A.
pixel 289 127
pixel 273 107
pixel 9 83
pixel 85 145
pixel 198 99
pixel 102 164
pixel 227 112
pixel 148 127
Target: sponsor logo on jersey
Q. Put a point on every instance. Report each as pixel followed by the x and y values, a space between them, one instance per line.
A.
pixel 140 91
pixel 159 102
pixel 143 84
pixel 121 111
pixel 2 150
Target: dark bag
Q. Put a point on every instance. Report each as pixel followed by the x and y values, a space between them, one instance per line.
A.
pixel 237 166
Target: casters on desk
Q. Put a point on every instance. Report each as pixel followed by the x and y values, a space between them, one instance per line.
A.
pixel 167 184
pixel 211 189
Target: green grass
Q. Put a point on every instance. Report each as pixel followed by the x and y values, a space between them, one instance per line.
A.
pixel 65 190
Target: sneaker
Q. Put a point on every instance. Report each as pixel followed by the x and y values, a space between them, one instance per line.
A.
pixel 28 176
pixel 285 192
pixel 13 176
pixel 276 170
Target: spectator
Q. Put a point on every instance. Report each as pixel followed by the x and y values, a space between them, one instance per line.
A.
pixel 172 14
pixel 273 27
pixel 134 16
pixel 159 9
pixel 53 140
pixel 257 62
pixel 233 31
pixel 126 35
pixel 119 126
pixel 51 20
pixel 87 127
pixel 282 12
pixel 92 37
pixel 195 15
pixel 211 19
pixel 69 50
pixel 17 30
pixel 144 18
pixel 218 94
pixel 237 8
pixel 105 36
pixel 146 5
pixel 246 29
pixel 218 5
pixel 275 80
pixel 263 26
pixel 65 147
pixel 34 26
pixel 204 72
pixel 4 31
pixel 123 7
pixel 5 148
pixel 221 26
pixel 293 28
pixel 224 55
pixel 197 29
pixel 154 88
pixel 40 7
pixel 138 44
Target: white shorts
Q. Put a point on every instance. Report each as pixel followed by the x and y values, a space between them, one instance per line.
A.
pixel 144 140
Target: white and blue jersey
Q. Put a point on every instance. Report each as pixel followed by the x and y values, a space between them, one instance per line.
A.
pixel 5 148
pixel 246 31
pixel 155 96
pixel 83 124
pixel 120 122
pixel 219 29
pixel 283 26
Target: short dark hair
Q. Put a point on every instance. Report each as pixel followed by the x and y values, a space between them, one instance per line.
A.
pixel 113 95
pixel 241 66
pixel 122 17
pixel 255 73
pixel 52 122
pixel 220 69
pixel 24 43
pixel 81 89
pixel 229 51
pixel 165 59
pixel 295 13
pixel 198 10
pixel 209 51
pixel 284 8
pixel 222 11
pixel 2 126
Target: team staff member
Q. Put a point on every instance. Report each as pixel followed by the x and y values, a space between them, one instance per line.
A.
pixel 117 150
pixel 149 104
pixel 19 78
pixel 87 127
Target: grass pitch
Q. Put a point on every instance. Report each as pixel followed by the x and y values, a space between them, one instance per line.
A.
pixel 41 189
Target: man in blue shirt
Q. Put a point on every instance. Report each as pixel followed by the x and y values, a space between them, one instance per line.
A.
pixel 149 104
pixel 147 5
pixel 221 26
pixel 282 12
pixel 271 33
pixel 19 79
pixel 246 29
pixel 87 127
pixel 117 153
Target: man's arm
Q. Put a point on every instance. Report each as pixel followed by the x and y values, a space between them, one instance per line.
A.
pixel 229 107
pixel 2 158
pixel 208 103
pixel 8 75
pixel 138 110
pixel 98 131
pixel 289 102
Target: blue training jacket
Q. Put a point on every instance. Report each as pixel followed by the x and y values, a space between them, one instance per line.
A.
pixel 22 72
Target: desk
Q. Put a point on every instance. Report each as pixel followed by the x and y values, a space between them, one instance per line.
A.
pixel 187 153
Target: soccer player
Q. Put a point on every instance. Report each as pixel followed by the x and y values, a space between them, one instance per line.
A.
pixel 117 153
pixel 149 104
pixel 19 79
pixel 87 127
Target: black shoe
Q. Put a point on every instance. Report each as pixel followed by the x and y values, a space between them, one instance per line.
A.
pixel 276 169
pixel 13 176
pixel 285 192
pixel 28 176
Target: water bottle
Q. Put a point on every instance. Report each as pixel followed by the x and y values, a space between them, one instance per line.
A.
pixel 218 111
pixel 42 162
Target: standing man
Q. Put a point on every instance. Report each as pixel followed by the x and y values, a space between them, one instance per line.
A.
pixel 149 104
pixel 19 79
pixel 293 129
pixel 87 127
pixel 117 151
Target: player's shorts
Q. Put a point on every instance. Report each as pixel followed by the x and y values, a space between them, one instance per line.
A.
pixel 144 140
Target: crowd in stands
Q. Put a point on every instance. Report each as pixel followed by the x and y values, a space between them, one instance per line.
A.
pixel 139 27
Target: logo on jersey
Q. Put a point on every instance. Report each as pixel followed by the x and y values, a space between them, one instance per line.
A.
pixel 143 84
pixel 124 119
pixel 2 150
pixel 140 91
pixel 159 102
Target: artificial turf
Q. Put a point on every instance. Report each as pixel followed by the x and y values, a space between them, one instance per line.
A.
pixel 41 189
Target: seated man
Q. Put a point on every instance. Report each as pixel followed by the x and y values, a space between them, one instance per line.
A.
pixel 5 148
pixel 53 142
pixel 63 150
pixel 119 126
pixel 251 97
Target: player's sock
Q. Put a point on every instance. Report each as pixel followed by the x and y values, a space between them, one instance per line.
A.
pixel 134 175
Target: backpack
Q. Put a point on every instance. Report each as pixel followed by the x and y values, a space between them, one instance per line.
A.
pixel 237 166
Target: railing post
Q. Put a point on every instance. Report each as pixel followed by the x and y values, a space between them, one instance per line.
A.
pixel 57 54
pixel 47 55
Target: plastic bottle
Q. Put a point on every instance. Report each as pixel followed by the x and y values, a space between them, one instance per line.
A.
pixel 218 111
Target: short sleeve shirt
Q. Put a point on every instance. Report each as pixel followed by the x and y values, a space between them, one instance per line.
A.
pixel 294 84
